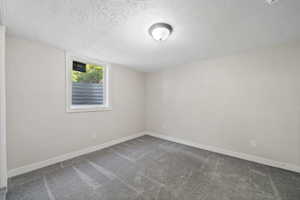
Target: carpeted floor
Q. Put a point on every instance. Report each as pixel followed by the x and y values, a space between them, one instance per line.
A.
pixel 148 168
pixel 2 194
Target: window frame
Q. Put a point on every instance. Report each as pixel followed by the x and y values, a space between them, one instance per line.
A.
pixel 106 87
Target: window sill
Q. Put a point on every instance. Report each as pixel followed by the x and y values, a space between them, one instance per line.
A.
pixel 87 108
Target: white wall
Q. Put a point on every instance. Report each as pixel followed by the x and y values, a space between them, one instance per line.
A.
pixel 38 127
pixel 247 103
pixel 3 163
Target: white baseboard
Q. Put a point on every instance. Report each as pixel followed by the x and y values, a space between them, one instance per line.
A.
pixel 51 161
pixel 257 159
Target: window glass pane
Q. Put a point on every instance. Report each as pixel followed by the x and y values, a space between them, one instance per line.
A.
pixel 87 84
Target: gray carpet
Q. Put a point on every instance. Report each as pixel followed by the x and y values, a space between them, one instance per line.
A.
pixel 148 168
pixel 2 194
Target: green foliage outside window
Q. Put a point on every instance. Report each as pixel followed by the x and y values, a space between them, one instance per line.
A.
pixel 93 74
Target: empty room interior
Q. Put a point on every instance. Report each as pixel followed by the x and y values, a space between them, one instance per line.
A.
pixel 149 100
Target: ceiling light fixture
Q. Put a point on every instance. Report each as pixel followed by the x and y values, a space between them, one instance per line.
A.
pixel 271 1
pixel 160 31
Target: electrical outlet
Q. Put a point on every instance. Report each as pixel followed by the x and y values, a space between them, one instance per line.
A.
pixel 164 126
pixel 253 143
pixel 94 135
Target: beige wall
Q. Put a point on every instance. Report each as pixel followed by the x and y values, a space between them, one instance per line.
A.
pixel 37 123
pixel 3 170
pixel 248 103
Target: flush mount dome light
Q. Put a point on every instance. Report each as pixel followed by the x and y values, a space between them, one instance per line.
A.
pixel 160 31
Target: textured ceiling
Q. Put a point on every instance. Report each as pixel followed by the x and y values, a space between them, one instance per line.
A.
pixel 117 30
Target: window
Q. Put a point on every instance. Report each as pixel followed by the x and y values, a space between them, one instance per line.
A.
pixel 87 84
